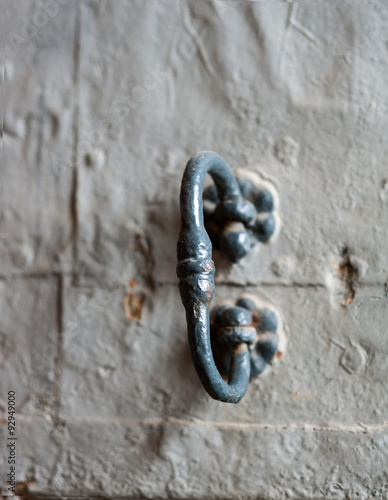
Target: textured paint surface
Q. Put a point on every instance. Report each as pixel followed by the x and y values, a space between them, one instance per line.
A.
pixel 104 102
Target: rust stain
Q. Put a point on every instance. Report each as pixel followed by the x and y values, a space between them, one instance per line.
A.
pixel 142 244
pixel 278 354
pixel 133 305
pixel 21 488
pixel 255 319
pixel 302 396
pixel 240 348
pixel 348 274
pixel 132 283
pixel 197 308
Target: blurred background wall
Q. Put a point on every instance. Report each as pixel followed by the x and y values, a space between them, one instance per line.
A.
pixel 103 104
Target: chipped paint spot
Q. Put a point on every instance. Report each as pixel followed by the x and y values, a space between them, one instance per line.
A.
pixel 346 269
pixel 142 244
pixel 22 488
pixel 132 283
pixel 133 305
pixel 197 309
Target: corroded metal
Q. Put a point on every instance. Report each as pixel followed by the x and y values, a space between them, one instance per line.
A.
pixel 225 221
pixel 254 322
pixel 234 222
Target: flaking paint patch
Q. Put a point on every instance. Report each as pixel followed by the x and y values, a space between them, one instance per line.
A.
pixel 22 488
pixel 134 302
pixel 342 279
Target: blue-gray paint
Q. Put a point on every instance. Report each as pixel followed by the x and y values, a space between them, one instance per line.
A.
pixel 233 240
pixel 244 322
pixel 195 271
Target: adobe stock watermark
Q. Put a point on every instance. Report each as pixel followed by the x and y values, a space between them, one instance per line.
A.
pixel 151 80
pixel 274 125
pixel 226 7
pixel 120 110
pixel 30 27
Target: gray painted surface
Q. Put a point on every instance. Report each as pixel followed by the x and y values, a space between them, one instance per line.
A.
pixel 104 103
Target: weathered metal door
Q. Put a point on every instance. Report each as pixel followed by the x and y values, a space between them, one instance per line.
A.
pixel 103 104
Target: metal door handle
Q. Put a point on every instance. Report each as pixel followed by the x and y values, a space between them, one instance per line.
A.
pixel 245 337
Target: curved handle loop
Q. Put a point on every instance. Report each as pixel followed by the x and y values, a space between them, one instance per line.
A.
pixel 196 269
